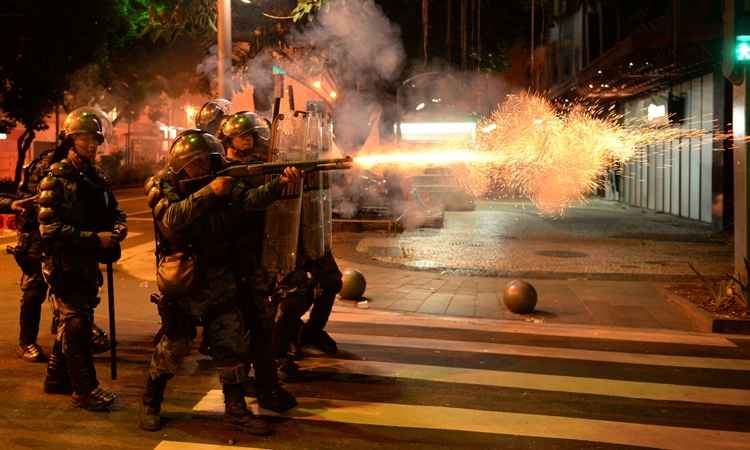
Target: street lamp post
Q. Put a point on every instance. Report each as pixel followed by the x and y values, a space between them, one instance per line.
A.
pixel 224 46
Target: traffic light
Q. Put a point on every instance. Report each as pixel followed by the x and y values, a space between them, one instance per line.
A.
pixel 736 53
pixel 742 49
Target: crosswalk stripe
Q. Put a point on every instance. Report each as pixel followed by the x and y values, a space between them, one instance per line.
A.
pixel 344 313
pixel 545 352
pixel 138 213
pixel 174 445
pixel 497 422
pixel 533 381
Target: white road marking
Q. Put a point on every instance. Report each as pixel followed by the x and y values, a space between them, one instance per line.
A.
pixel 498 422
pixel 545 352
pixel 534 381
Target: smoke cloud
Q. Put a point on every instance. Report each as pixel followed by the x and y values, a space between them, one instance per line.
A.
pixel 360 44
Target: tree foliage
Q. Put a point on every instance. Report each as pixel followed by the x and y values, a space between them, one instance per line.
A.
pixel 43 43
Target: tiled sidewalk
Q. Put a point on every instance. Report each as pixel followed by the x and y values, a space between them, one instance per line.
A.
pixel 615 303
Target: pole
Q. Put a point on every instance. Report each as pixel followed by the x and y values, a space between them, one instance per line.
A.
pixel 532 43
pixel 425 28
pixel 57 125
pixel 224 46
pixel 112 330
pixel 740 266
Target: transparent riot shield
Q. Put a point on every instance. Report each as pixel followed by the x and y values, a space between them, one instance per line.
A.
pixel 316 198
pixel 282 221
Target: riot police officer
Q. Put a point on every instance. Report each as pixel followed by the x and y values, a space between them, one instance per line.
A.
pixel 28 255
pixel 247 139
pixel 196 215
pixel 212 114
pixel 81 225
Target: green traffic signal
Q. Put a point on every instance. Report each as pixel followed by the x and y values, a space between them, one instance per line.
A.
pixel 742 49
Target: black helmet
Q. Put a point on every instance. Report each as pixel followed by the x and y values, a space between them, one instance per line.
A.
pixel 190 145
pixel 85 120
pixel 211 115
pixel 246 122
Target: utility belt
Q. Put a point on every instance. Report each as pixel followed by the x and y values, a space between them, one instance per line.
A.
pixel 178 273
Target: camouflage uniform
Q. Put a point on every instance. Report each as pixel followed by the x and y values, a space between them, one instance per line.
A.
pixel 28 251
pixel 257 284
pixel 73 207
pixel 202 224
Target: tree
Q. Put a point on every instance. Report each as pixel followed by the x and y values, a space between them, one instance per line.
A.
pixel 43 43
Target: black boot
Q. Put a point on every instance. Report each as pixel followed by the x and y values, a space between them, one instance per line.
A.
pixel 31 353
pixel 237 414
pixel 277 399
pixel 57 380
pixel 319 339
pixel 96 400
pixel 86 391
pixel 288 370
pixel 148 416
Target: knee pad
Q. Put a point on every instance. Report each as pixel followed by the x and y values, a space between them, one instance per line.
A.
pixel 76 333
pixel 236 374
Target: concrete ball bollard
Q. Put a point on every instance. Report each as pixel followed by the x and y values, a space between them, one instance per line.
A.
pixel 353 285
pixel 520 297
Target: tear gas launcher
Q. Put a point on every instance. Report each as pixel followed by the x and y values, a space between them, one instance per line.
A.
pixel 272 168
pixel 277 168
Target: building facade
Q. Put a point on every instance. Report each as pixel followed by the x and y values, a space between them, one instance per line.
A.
pixel 654 62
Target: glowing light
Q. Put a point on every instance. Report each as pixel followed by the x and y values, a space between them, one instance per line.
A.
pixel 591 86
pixel 742 50
pixel 528 148
pixel 488 128
pixel 599 71
pixel 112 115
pixel 190 112
pixel 562 161
pixel 333 94
pixel 424 158
pixel 317 84
pixel 420 106
pixel 437 100
pixel 438 131
pixel 170 132
pixel 247 2
pixel 3 136
pixel 656 111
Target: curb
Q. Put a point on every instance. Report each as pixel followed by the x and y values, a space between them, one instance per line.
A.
pixel 705 321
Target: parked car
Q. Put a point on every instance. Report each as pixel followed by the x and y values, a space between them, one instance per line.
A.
pixel 439 188
pixel 364 195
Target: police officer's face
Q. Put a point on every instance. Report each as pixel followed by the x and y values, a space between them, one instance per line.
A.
pixel 198 167
pixel 86 145
pixel 243 143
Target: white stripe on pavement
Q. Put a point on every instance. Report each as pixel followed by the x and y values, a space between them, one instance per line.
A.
pixel 533 381
pixel 498 422
pixel 344 313
pixel 138 213
pixel 174 445
pixel 545 352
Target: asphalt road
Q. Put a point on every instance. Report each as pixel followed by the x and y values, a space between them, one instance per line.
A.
pixel 405 381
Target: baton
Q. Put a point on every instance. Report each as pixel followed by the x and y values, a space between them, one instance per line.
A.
pixel 112 333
